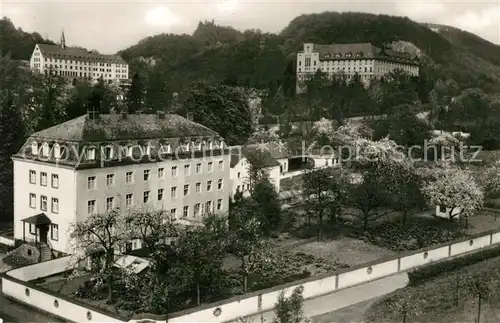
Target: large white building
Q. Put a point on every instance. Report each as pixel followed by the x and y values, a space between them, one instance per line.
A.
pixel 78 63
pixel 95 163
pixel 368 61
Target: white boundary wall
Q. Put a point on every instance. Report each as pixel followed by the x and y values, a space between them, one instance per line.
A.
pixel 15 284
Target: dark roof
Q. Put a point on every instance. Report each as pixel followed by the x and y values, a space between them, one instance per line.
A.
pixel 358 50
pixel 39 219
pixel 76 53
pixel 265 157
pixel 112 127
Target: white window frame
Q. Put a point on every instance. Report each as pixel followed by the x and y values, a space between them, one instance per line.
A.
pixel 54 205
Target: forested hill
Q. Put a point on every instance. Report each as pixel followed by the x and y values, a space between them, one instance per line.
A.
pixel 16 42
pixel 252 58
pixel 223 54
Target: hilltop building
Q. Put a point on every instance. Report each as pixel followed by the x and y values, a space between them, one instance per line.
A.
pixel 368 61
pixel 96 163
pixel 77 63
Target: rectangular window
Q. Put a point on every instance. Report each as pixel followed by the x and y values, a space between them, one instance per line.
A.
pixel 174 171
pixel 110 203
pixel 185 211
pixel 128 177
pixel 91 207
pixel 173 192
pixel 219 204
pixel 221 164
pixel 32 201
pixel 239 174
pixel 210 164
pixel 43 178
pixel 43 203
pixel 208 207
pixel 90 153
pixel 209 186
pixel 146 197
pixel 32 177
pixel 32 229
pixel 219 184
pixel 91 182
pixel 187 169
pixel 198 187
pixel 110 179
pixel 186 189
pixel 54 232
pixel 160 172
pixel 160 194
pixel 197 210
pixel 55 181
pixel 146 174
pixel 173 214
pixel 442 208
pixel 198 168
pixel 55 205
pixel 129 200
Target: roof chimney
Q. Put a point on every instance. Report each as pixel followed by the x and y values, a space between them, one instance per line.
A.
pixel 189 116
pixel 160 114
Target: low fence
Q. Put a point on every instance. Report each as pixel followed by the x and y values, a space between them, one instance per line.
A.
pixel 6 241
pixel 16 284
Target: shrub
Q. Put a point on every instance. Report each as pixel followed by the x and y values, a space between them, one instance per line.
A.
pixel 418 233
pixel 421 275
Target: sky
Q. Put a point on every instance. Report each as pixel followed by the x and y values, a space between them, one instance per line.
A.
pixel 112 25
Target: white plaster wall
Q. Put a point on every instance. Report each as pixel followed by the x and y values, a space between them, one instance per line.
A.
pixel 465 246
pixel 41 300
pixel 445 214
pixel 65 193
pixel 413 261
pixel 495 238
pixel 228 312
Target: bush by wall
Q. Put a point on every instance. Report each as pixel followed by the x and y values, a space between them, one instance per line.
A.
pixel 421 275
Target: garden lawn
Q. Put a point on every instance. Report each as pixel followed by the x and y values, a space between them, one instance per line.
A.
pixel 435 299
pixel 344 250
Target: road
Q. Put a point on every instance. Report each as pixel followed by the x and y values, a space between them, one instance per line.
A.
pixel 325 307
pixel 11 311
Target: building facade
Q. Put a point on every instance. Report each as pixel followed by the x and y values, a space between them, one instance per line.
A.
pixel 96 163
pixel 78 63
pixel 364 59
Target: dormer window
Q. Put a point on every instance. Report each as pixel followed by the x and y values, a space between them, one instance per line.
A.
pixel 57 151
pixel 188 146
pixel 198 145
pixel 327 55
pixel 222 144
pixel 130 151
pixel 337 55
pixel 90 153
pixel 216 144
pixel 166 149
pixel 147 150
pixel 204 144
pixel 108 152
pixel 45 149
pixel 210 145
pixel 34 148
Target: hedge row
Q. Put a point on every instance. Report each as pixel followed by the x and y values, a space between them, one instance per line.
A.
pixel 420 276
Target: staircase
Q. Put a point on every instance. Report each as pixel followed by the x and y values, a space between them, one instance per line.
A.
pixel 45 252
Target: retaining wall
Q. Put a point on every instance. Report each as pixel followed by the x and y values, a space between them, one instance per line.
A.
pixel 16 284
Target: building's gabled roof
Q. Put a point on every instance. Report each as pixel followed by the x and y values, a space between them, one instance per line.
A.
pixel 358 50
pixel 265 156
pixel 77 53
pixel 113 127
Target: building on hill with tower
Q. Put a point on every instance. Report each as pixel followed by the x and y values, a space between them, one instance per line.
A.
pixel 78 63
pixel 368 61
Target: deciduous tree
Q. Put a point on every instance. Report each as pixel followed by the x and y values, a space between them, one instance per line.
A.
pixel 98 239
pixel 290 309
pixel 455 189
